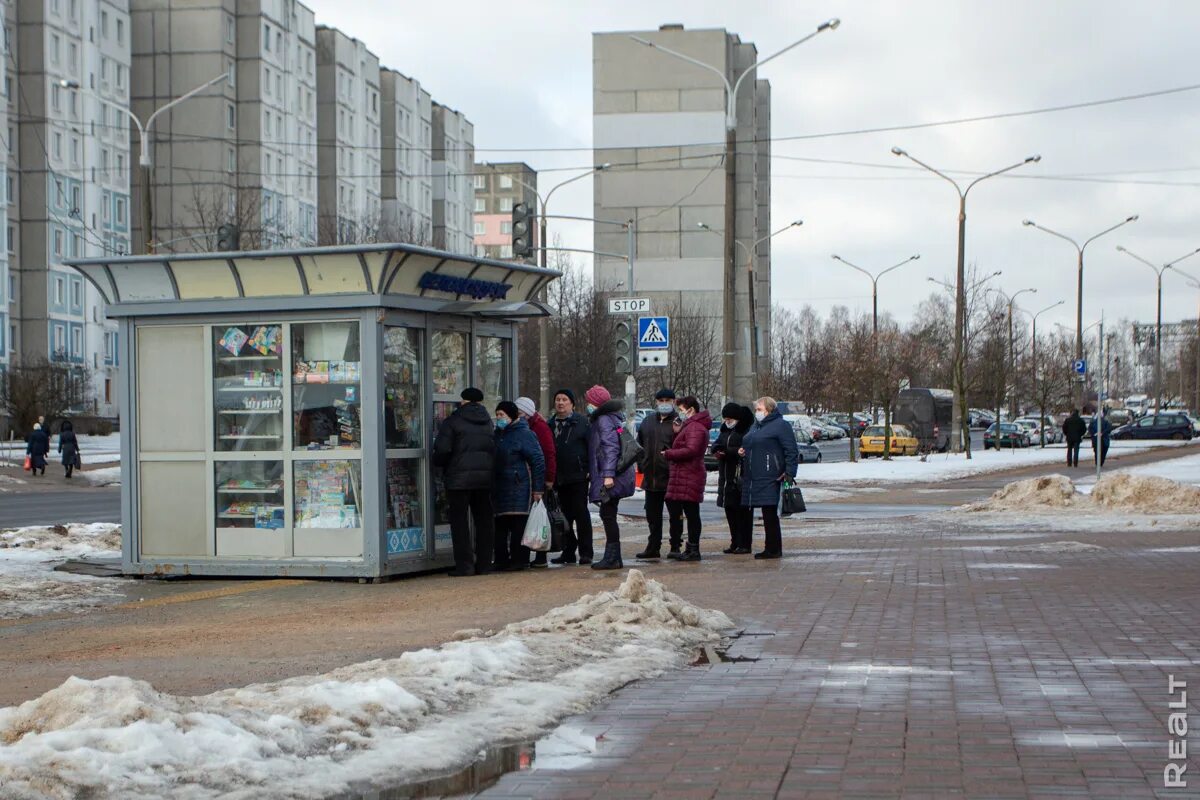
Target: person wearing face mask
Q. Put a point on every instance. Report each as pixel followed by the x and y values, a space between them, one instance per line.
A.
pixel 520 476
pixel 541 429
pixel 737 422
pixel 769 456
pixel 464 451
pixel 607 485
pixel 571 434
pixel 685 491
pixel 656 435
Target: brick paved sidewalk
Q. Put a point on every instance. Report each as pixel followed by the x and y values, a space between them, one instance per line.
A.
pixel 924 658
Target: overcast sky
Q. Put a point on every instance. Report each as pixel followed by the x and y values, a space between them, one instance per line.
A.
pixel 522 72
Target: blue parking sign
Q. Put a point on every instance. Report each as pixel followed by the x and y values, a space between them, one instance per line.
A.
pixel 1080 366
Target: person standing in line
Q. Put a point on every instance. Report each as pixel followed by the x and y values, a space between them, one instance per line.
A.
pixel 520 474
pixel 1073 430
pixel 656 435
pixel 607 486
pixel 1100 449
pixel 736 422
pixel 541 429
pixel 37 448
pixel 68 446
pixel 465 450
pixel 769 456
pixel 685 491
pixel 571 433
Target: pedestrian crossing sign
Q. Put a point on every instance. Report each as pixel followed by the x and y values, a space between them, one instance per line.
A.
pixel 654 333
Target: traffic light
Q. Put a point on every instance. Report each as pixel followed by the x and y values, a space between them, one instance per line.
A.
pixel 623 347
pixel 522 230
pixel 228 238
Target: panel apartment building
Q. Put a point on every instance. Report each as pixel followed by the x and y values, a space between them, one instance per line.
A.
pixel 661 122
pixel 406 159
pixel 453 188
pixel 497 188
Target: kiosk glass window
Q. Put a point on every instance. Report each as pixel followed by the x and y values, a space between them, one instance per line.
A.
pixel 248 387
pixel 327 494
pixel 405 508
pixel 250 494
pixel 448 366
pixel 326 386
pixel 491 366
pixel 402 388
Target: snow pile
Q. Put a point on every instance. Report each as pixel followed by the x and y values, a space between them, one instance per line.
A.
pixel 104 476
pixel 369 725
pixel 1125 492
pixel 77 538
pixel 29 586
pixel 1047 491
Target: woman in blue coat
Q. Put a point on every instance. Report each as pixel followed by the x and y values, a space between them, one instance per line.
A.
pixel 769 456
pixel 520 472
pixel 37 448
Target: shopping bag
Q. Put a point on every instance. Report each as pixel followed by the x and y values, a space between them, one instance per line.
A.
pixel 793 500
pixel 28 463
pixel 558 521
pixel 537 529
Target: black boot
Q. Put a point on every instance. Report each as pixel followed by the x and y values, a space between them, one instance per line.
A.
pixel 612 557
pixel 563 559
pixel 692 553
pixel 649 554
pixel 674 555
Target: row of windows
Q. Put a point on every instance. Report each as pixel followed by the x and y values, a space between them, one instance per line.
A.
pixel 503 205
pixel 502 182
pixel 481 228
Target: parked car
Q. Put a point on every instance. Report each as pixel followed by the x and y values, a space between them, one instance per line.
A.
pixel 903 442
pixel 710 459
pixel 808 453
pixel 980 418
pixel 1157 426
pixel 1011 435
pixel 801 422
pixel 853 423
pixel 1121 416
pixel 829 430
pixel 1035 427
pixel 831 420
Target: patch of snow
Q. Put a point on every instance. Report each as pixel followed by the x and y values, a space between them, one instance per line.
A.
pixel 29 586
pixel 368 725
pixel 986 565
pixel 1187 549
pixel 105 476
pixel 1047 491
pixel 1116 491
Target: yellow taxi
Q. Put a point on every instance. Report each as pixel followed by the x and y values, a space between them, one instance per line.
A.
pixel 903 442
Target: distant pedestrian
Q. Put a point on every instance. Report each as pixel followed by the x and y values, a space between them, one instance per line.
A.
pixel 37 448
pixel 68 446
pixel 607 485
pixel 736 422
pixel 769 457
pixel 655 435
pixel 465 451
pixel 1100 421
pixel 571 433
pixel 541 429
pixel 1073 429
pixel 685 490
pixel 520 472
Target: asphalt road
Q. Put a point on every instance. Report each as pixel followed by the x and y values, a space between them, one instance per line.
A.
pixel 58 507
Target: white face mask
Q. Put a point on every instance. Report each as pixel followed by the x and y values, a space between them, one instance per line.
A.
pixel 760 415
pixel 731 424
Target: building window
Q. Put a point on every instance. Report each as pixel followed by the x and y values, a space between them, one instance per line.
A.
pixel 75 205
pixel 506 228
pixel 480 228
pixel 59 290
pixel 506 182
pixel 120 31
pixel 55 98
pixel 120 210
pixel 73 56
pixel 506 204
pixel 231 160
pixel 76 294
pixel 229 29
pixel 480 205
pixel 120 166
pixel 103 24
pixel 58 250
pixel 480 182
pixel 60 342
pixel 76 342
pixel 120 76
pixel 506 251
pixel 10 187
pixel 12 239
pixel 266 37
pixel 55 47
pixel 230 116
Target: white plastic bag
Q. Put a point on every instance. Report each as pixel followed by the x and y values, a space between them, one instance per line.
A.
pixel 537 529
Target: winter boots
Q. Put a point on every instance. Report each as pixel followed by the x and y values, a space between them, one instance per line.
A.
pixel 692 553
pixel 612 557
pixel 649 554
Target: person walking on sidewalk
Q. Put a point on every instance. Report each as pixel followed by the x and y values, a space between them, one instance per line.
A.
pixel 1073 430
pixel 1100 449
pixel 607 485
pixel 68 446
pixel 520 476
pixel 685 490
pixel 465 450
pixel 37 448
pixel 541 429
pixel 571 433
pixel 769 455
pixel 736 423
pixel 655 436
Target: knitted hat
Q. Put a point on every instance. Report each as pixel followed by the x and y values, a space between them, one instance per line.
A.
pixel 597 395
pixel 567 393
pixel 526 406
pixel 509 408
pixel 472 395
pixel 665 394
pixel 732 411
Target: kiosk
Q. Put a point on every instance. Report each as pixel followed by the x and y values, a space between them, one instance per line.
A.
pixel 278 408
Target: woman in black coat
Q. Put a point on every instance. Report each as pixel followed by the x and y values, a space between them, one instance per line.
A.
pixel 68 445
pixel 38 447
pixel 737 420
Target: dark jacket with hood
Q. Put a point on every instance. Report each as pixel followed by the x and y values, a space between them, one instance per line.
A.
pixel 656 434
pixel 1074 428
pixel 688 474
pixel 604 450
pixel 570 448
pixel 465 449
pixel 771 452
pixel 729 463
pixel 520 469
pixel 38 447
pixel 68 445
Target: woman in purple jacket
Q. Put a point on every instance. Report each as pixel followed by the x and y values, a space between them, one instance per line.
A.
pixel 607 486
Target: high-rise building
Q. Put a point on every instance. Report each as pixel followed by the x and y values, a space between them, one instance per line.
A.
pixel 453 189
pixel 497 188
pixel 407 160
pixel 8 181
pixel 348 138
pixel 661 122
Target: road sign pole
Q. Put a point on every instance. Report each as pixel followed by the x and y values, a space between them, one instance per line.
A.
pixel 631 378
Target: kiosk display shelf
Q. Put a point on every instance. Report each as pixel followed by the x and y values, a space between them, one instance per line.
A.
pixel 247 383
pixel 249 494
pixel 327 494
pixel 326 377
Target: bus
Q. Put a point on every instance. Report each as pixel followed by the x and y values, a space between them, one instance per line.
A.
pixel 927 413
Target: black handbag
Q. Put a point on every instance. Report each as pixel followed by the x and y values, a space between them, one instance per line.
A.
pixel 793 500
pixel 558 521
pixel 631 451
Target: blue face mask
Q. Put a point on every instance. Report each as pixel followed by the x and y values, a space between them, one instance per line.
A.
pixel 591 409
pixel 502 422
pixel 665 408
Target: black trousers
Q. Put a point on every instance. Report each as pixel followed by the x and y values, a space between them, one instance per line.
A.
pixel 654 518
pixel 509 550
pixel 1073 453
pixel 741 526
pixel 608 515
pixel 772 533
pixel 1104 443
pixel 465 506
pixel 573 500
pixel 683 509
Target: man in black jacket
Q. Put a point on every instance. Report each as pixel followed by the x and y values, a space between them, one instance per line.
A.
pixel 464 449
pixel 571 431
pixel 1073 430
pixel 655 436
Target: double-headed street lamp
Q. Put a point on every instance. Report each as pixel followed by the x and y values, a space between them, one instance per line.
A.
pixel 1079 248
pixel 960 421
pixel 1158 271
pixel 1035 316
pixel 730 274
pixel 145 156
pixel 1012 356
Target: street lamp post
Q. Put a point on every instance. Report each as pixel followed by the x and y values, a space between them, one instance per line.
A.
pixel 145 158
pixel 730 274
pixel 1079 248
pixel 960 421
pixel 1012 356
pixel 1036 396
pixel 1158 272
pixel 875 309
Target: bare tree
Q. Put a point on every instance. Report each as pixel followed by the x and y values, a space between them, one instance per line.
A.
pixel 42 388
pixel 212 205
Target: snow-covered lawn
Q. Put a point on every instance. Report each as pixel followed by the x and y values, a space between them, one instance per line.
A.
pixel 105 476
pixel 365 726
pixel 29 586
